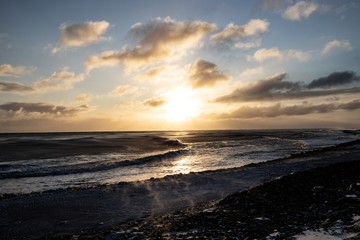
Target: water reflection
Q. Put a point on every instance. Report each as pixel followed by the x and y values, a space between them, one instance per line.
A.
pixel 183 165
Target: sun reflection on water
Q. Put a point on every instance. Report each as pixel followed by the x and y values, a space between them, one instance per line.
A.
pixel 183 165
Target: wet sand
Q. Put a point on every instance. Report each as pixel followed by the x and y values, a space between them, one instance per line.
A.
pixel 70 211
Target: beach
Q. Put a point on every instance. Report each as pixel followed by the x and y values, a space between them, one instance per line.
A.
pixel 130 210
pixel 170 119
pixel 322 203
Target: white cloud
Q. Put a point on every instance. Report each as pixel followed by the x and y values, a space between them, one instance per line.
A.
pixel 233 31
pixel 330 46
pixel 251 72
pixel 264 54
pixel 81 34
pixel 6 70
pixel 62 80
pixel 234 35
pixel 300 10
pixel 274 53
pixel 298 55
pixel 122 90
pixel 248 45
pixel 155 41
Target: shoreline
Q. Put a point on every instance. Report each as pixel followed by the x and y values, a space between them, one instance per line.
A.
pixel 73 210
pixel 321 203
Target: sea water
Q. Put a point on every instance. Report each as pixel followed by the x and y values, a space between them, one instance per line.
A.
pixel 47 161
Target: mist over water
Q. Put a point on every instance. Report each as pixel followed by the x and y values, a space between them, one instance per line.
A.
pixel 40 162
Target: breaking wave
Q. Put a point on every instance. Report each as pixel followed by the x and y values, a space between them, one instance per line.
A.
pixel 31 170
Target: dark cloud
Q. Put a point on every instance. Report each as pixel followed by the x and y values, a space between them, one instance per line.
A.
pixel 41 109
pixel 293 110
pixel 309 94
pixel 277 88
pixel 334 79
pixel 261 90
pixel 155 102
pixel 62 80
pixel 15 87
pixel 351 105
pixel 205 74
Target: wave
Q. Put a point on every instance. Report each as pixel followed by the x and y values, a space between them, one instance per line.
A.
pixel 91 167
pixel 25 148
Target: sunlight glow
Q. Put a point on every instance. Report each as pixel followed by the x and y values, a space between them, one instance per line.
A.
pixel 182 166
pixel 182 105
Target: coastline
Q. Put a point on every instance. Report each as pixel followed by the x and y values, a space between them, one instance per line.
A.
pixel 73 210
pixel 321 203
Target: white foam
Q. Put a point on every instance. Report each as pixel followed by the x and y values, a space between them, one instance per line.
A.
pixel 321 235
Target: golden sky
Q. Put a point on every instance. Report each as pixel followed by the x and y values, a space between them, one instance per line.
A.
pixel 178 65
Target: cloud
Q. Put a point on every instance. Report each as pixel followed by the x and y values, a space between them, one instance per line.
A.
pixel 267 5
pixel 158 40
pixel 4 41
pixel 81 34
pixel 15 87
pixel 344 8
pixel 155 102
pixel 261 90
pixel 334 79
pixel 122 90
pixel 274 53
pixel 62 80
pixel 161 74
pixel 292 110
pixel 277 88
pixel 36 110
pixel 330 46
pixel 234 35
pixel 248 45
pixel 235 32
pixel 6 70
pixel 205 74
pixel 300 10
pixel 82 98
pixel 153 72
pixel 264 54
pixel 251 72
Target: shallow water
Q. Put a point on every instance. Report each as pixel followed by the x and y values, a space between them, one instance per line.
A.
pixel 132 156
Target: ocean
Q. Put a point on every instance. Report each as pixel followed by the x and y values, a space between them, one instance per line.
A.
pixel 37 162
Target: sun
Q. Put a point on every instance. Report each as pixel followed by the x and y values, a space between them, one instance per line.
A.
pixel 181 105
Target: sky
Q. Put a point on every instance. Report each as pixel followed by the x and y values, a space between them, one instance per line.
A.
pixel 140 65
